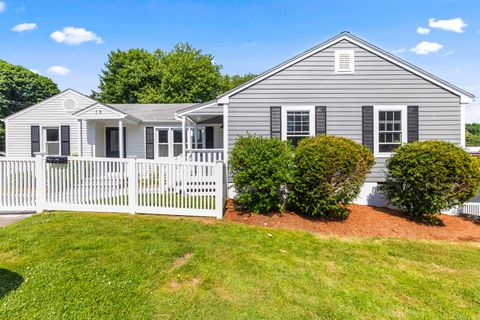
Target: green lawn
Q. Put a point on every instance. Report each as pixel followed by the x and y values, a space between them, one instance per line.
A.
pixel 105 266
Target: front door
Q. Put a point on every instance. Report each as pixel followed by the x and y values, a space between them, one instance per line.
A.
pixel 112 148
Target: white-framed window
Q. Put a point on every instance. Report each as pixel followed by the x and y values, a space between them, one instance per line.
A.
pixel 298 122
pixel 344 61
pixel 177 142
pixel 169 142
pixel 163 143
pixel 390 128
pixel 199 135
pixel 51 138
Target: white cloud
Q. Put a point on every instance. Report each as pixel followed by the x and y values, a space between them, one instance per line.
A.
pixel 35 71
pixel 401 50
pixel 426 47
pixel 2 6
pixel 75 36
pixel 455 25
pixel 24 27
pixel 422 30
pixel 58 70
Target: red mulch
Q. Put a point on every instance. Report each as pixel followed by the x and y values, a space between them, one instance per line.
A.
pixel 366 221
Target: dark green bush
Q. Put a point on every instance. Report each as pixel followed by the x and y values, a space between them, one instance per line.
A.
pixel 329 173
pixel 425 178
pixel 261 168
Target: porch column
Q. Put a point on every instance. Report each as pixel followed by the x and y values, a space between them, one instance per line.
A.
pixel 183 136
pixel 80 133
pixel 120 138
pixel 195 137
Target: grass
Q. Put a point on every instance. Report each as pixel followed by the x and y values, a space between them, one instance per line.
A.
pixel 103 266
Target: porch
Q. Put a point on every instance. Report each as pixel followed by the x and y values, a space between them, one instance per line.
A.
pixel 194 135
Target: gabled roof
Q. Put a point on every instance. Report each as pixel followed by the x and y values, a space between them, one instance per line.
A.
pixel 153 112
pixel 196 107
pixel 113 110
pixel 45 101
pixel 465 97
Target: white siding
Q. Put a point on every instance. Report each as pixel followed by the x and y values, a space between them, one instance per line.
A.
pixel 51 113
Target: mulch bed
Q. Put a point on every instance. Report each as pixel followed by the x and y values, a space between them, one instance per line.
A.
pixel 366 221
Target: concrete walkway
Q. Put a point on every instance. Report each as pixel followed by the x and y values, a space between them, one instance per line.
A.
pixel 6 219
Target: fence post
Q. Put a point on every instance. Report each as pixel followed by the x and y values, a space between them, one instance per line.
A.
pixel 219 190
pixel 132 183
pixel 40 192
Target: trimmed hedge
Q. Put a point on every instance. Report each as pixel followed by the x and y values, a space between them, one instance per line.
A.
pixel 425 178
pixel 329 173
pixel 261 168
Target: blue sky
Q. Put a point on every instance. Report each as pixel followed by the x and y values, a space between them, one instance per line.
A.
pixel 244 36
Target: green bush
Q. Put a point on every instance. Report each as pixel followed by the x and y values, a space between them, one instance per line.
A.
pixel 425 178
pixel 329 173
pixel 261 168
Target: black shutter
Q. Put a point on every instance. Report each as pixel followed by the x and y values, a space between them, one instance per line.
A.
pixel 276 122
pixel 149 143
pixel 367 127
pixel 320 120
pixel 65 138
pixel 412 123
pixel 35 139
pixel 209 137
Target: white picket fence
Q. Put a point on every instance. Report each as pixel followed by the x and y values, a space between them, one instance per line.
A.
pixel 204 155
pixel 113 185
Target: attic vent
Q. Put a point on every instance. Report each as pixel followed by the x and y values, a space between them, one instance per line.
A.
pixel 69 104
pixel 344 61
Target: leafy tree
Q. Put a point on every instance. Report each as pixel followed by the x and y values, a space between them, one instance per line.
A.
pixel 184 74
pixel 21 88
pixel 472 134
pixel 128 75
pixel 229 82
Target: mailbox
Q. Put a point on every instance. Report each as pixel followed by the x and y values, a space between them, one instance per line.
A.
pixel 57 159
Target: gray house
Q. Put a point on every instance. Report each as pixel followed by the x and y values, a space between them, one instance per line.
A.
pixel 344 86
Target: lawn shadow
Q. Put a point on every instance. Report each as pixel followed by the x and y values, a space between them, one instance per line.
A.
pixel 9 281
pixel 471 218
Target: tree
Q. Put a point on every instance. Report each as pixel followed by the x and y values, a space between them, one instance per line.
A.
pixel 21 88
pixel 128 75
pixel 472 134
pixel 229 82
pixel 184 74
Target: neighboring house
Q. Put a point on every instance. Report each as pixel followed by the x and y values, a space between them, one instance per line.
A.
pixel 344 86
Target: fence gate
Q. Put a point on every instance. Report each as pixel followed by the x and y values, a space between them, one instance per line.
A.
pixel 112 185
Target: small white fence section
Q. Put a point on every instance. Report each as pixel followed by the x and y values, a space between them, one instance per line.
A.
pixel 113 185
pixel 204 155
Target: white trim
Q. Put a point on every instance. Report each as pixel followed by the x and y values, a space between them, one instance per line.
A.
pixel 310 109
pixel 351 54
pixel 43 147
pixel 120 115
pixel 41 103
pixel 225 137
pixel 170 141
pixel 225 97
pixel 462 125
pixel 404 119
pixel 182 113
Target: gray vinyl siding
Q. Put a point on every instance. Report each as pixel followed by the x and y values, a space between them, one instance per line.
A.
pixel 312 82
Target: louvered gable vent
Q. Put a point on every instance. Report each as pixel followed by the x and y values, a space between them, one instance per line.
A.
pixel 344 61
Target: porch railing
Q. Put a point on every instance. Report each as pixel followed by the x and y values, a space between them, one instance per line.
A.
pixel 204 155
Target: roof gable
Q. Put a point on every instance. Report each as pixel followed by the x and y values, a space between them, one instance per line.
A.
pixel 68 92
pixel 465 97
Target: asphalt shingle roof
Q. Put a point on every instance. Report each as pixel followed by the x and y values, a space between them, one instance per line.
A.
pixel 152 112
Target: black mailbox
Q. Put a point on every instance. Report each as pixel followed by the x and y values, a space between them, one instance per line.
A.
pixel 57 159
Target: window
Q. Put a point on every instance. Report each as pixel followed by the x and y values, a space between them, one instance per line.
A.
pixel 390 128
pixel 198 133
pixel 162 143
pixel 297 123
pixel 52 141
pixel 177 142
pixel 344 61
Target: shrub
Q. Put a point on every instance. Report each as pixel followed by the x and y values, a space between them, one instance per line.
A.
pixel 425 178
pixel 329 173
pixel 261 168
